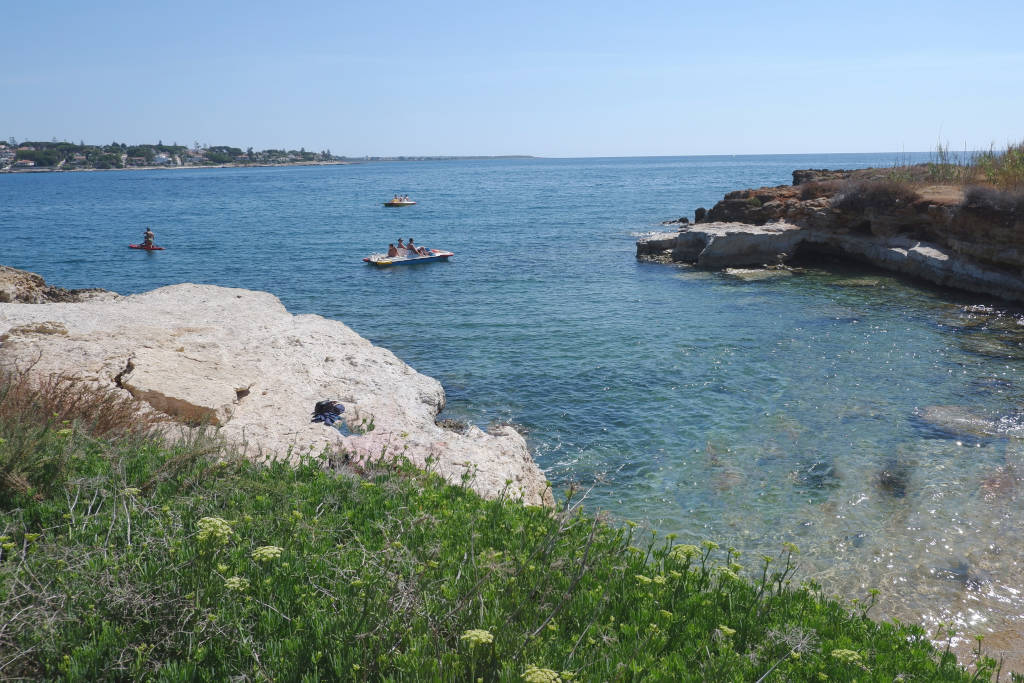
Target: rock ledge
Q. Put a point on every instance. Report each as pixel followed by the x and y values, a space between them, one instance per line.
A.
pixel 238 359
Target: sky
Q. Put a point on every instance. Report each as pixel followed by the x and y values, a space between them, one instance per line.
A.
pixel 557 78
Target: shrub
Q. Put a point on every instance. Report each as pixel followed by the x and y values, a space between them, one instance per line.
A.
pixel 993 201
pixel 877 195
pixel 819 188
pixel 38 417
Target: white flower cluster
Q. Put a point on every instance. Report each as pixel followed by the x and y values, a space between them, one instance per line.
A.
pixel 214 529
pixel 266 553
pixel 535 674
pixel 477 636
pixel 682 553
pixel 236 583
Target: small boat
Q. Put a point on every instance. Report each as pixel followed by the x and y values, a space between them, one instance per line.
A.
pixel 399 201
pixel 385 260
pixel 152 247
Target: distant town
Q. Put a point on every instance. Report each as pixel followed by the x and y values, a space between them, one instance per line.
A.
pixel 67 156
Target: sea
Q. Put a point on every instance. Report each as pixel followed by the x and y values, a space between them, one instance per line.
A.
pixel 870 420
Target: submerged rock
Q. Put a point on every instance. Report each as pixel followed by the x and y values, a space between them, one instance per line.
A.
pixel 816 475
pixel 961 571
pixel 237 359
pixel 755 274
pixel 986 344
pixel 893 478
pixel 857 282
pixel 957 420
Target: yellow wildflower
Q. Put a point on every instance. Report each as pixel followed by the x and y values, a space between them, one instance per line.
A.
pixel 683 552
pixel 214 529
pixel 266 553
pixel 236 583
pixel 535 674
pixel 477 636
pixel 848 656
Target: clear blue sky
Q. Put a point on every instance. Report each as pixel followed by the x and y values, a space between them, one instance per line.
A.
pixel 546 78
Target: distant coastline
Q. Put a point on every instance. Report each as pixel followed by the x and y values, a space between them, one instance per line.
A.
pixel 19 171
pixel 41 156
pixel 337 162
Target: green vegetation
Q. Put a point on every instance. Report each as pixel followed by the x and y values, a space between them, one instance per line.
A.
pixel 69 156
pixel 124 556
pixel 1002 170
pixel 1005 169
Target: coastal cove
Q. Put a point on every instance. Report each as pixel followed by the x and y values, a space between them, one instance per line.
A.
pixel 711 405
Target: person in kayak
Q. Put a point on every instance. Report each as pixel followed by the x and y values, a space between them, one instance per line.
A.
pixel 148 237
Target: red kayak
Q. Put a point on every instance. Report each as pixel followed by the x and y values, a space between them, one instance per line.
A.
pixel 143 246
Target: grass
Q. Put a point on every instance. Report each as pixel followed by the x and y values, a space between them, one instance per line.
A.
pixel 1001 170
pixel 131 558
pixel 1004 169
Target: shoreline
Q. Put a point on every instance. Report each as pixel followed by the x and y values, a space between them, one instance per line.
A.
pixel 342 162
pixel 176 168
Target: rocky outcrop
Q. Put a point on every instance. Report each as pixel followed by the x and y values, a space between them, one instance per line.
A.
pixel 965 239
pixel 818 175
pixel 22 286
pixel 727 245
pixel 721 245
pixel 238 360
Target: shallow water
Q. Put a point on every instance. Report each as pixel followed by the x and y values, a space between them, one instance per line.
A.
pixel 872 422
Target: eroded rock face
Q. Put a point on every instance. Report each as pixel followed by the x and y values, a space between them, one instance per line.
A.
pixel 730 245
pixel 939 233
pixel 237 359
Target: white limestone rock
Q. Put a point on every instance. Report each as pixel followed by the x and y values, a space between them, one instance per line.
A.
pixel 238 359
pixel 738 244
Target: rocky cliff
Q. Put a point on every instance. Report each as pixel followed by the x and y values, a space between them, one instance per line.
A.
pixel 970 239
pixel 238 360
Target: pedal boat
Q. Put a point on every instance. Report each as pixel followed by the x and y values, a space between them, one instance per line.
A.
pixel 399 202
pixel 382 260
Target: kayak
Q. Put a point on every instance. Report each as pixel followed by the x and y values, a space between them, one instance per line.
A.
pixel 143 246
pixel 385 260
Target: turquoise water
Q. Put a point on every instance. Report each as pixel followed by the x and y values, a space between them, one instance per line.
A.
pixel 704 404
